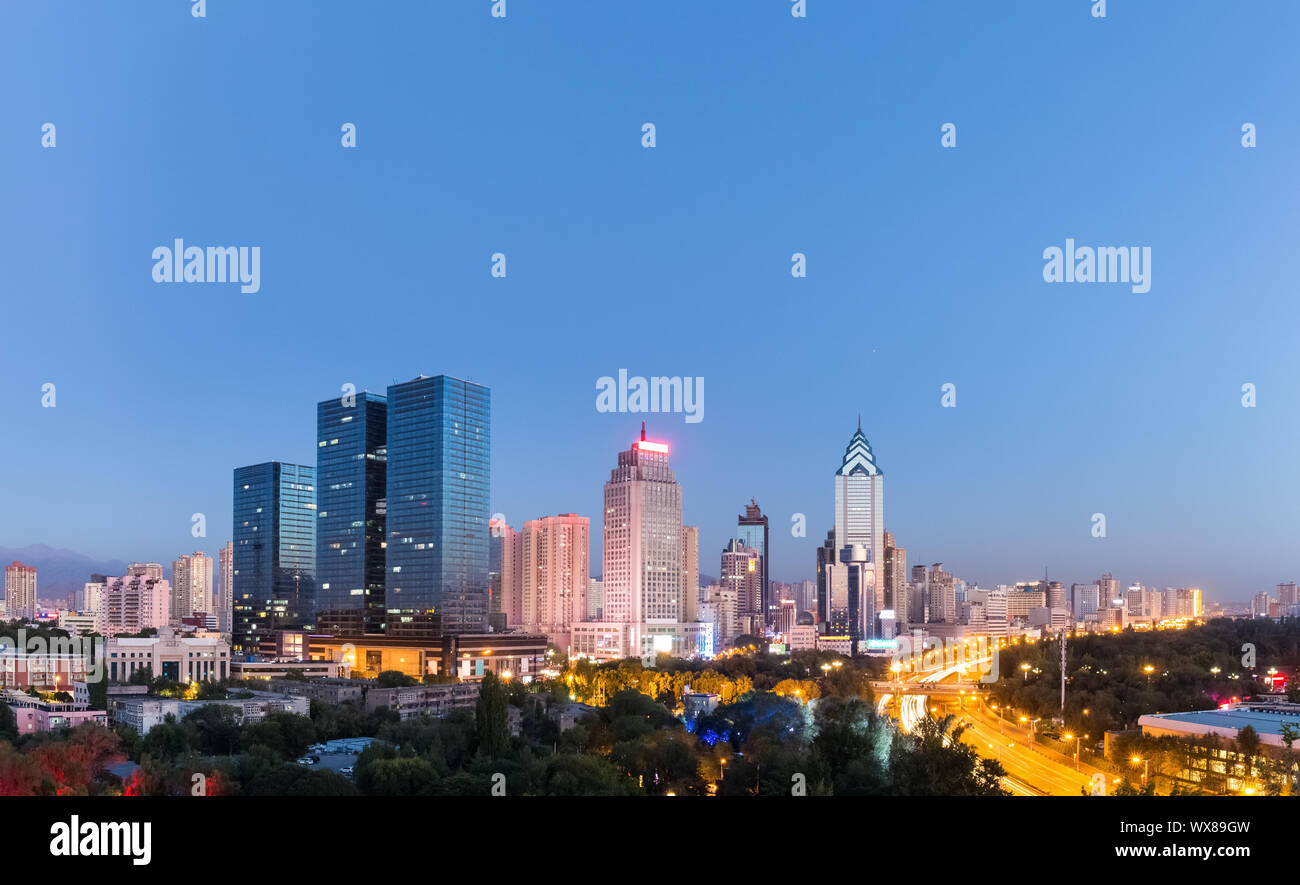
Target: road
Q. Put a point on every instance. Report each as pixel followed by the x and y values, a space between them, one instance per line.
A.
pixel 1029 772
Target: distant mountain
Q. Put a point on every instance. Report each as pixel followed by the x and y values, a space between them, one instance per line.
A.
pixel 59 571
pixel 707 581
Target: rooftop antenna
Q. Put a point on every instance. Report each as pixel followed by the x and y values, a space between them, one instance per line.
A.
pixel 642 431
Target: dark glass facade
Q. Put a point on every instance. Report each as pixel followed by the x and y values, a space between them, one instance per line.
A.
pixel 751 530
pixel 437 499
pixel 351 478
pixel 275 550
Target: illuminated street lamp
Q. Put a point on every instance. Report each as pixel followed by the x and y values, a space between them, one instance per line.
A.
pixel 1024 669
pixel 1075 738
pixel 1148 669
pixel 1146 767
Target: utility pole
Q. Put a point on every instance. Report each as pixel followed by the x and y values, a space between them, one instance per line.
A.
pixel 1063 674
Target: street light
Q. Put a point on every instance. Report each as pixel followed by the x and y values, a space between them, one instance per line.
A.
pixel 1148 669
pixel 1024 669
pixel 1146 767
pixel 1075 738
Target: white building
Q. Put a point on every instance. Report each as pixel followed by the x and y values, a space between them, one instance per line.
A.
pixel 76 622
pixel 190 657
pixel 133 602
pixel 191 585
pixel 851 562
pixel 20 590
pixel 644 609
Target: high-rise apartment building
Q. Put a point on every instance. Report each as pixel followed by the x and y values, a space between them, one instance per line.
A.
pixel 691 572
pixel 509 545
pixel 134 602
pixel 1287 595
pixel 752 531
pixel 1259 605
pixel 146 570
pixel 943 595
pixel 897 596
pixel 742 571
pixel 351 484
pixel 274 559
pixel 1110 592
pixel 554 575
pixel 225 594
pixel 92 594
pixel 20 591
pixel 191 585
pixel 438 476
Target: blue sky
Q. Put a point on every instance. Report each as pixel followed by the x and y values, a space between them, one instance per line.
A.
pixel 775 135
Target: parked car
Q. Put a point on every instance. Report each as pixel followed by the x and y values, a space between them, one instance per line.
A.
pixel 305 760
pixel 346 772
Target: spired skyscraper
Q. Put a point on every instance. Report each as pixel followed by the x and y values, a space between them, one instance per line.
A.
pixel 351 484
pixel 274 560
pixel 850 565
pixel 436 578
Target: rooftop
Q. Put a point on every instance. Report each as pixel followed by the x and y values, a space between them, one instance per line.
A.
pixel 1267 719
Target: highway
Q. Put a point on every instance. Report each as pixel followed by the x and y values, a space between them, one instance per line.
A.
pixel 1029 773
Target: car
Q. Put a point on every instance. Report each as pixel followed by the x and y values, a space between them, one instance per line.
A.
pixel 346 772
pixel 305 760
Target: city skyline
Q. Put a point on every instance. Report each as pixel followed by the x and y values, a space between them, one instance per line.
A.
pixel 819 137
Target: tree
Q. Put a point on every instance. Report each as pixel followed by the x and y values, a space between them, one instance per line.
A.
pixel 491 717
pixel 394 679
pixel 585 775
pixel 398 777
pixel 285 735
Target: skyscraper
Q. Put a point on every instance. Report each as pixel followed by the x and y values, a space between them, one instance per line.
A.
pixel 274 550
pixel 943 597
pixel 191 585
pixel 226 586
pixel 510 548
pixel 644 606
pixel 437 506
pixel 555 574
pixel 351 478
pixel 20 591
pixel 897 595
pixel 742 572
pixel 691 571
pixel 752 531
pixel 850 565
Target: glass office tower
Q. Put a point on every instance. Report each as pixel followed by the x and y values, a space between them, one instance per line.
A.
pixel 751 530
pixel 351 456
pixel 437 523
pixel 275 550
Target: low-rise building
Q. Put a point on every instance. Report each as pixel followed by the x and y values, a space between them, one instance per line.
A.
pixel 278 670
pixel 199 656
pixel 35 715
pixel 435 700
pixel 331 691
pixel 143 713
